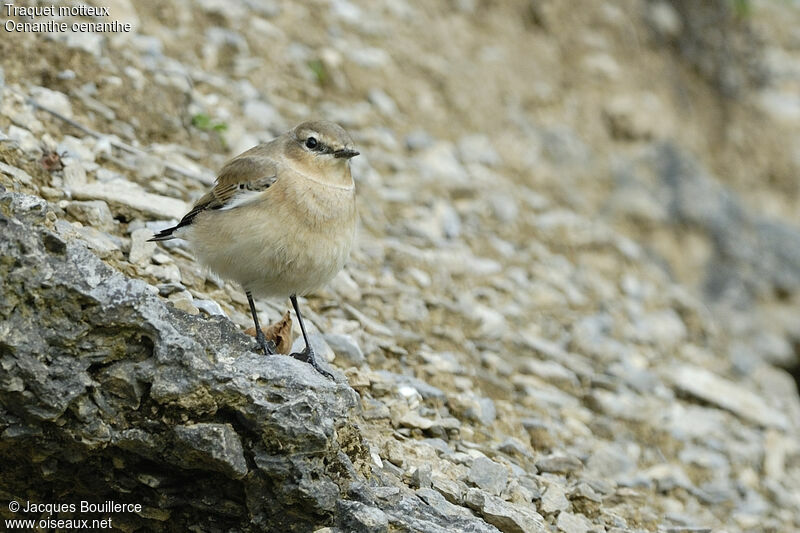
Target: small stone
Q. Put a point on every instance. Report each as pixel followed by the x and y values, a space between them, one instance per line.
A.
pixel 412 419
pixel 74 173
pixel 559 464
pixel 478 149
pixel 130 195
pixel 418 140
pixel 439 163
pixel 261 115
pixel 610 460
pixel 711 388
pixel 573 523
pixel 451 489
pixel 212 446
pixel 93 213
pixel 346 349
pixel 505 516
pixel 382 102
pixel 18 174
pixel 167 273
pixel 184 301
pixel 664 19
pixel 488 475
pixel 210 307
pixel 554 500
pixel 142 249
pixel 584 490
pixel 362 518
pixel 53 100
pixel 440 504
pixel 421 477
pixel 26 140
pixel 99 242
pixel 160 258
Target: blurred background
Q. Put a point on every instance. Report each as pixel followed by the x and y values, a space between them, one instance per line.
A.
pixel 598 197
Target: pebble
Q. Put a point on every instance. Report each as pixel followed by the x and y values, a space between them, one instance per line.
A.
pixel 347 350
pixel 554 499
pixel 142 250
pixel 488 475
pixel 478 148
pixel 98 241
pixel 210 307
pixel 18 174
pixel 573 523
pixel 711 388
pixel 53 100
pixel 184 301
pixel 26 140
pixel 92 213
pixel 559 464
pixel 382 102
pixel 441 504
pixel 74 173
pixel 75 148
pixel 505 516
pixel 125 194
pixel 439 163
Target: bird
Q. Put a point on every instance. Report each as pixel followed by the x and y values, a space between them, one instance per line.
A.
pixel 280 219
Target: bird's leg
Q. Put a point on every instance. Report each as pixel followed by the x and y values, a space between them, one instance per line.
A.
pixel 307 355
pixel 267 346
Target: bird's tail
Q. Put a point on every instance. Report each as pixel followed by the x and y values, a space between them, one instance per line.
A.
pixel 164 235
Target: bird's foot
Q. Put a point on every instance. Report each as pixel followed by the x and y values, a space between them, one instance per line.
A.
pixel 267 346
pixel 308 356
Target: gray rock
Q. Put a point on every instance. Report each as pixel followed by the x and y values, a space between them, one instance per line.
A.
pixel 93 213
pixel 609 460
pixel 421 477
pixel 711 388
pixel 100 242
pixel 382 102
pixel 419 140
pixel 505 516
pixel 347 350
pixel 554 499
pixel 209 307
pixel 361 518
pixel 559 464
pixel 211 447
pixel 413 513
pixel 488 475
pixel 18 174
pixel 441 504
pixel 113 374
pixel 573 523
pixel 478 149
pixel 142 250
pixel 261 114
pixel 54 100
pixel 129 196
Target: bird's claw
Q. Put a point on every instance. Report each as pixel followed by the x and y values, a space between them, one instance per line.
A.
pixel 266 346
pixel 308 356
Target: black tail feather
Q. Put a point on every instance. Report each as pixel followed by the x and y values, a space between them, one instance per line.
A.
pixel 164 235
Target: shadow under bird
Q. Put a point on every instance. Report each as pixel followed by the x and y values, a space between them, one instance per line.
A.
pixel 280 219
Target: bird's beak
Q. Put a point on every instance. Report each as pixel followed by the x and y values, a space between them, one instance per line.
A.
pixel 346 153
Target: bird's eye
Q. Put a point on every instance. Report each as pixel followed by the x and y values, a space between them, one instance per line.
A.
pixel 311 142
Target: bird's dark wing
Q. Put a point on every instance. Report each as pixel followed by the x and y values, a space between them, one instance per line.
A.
pixel 240 181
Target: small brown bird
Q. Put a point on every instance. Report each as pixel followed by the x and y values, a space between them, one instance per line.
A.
pixel 280 219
